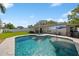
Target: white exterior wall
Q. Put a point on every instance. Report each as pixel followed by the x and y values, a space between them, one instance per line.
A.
pixel 62 31
pixel 1 30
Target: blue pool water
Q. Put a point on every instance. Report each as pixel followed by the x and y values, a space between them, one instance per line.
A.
pixel 43 46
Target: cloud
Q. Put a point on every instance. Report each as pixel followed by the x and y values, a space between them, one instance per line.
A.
pixel 8 5
pixel 1 13
pixel 66 14
pixel 58 20
pixel 49 19
pixel 55 4
pixel 62 20
pixel 32 16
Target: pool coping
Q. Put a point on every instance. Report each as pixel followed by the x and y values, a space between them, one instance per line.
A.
pixel 7 47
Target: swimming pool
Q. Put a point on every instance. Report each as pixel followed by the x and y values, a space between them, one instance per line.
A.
pixel 33 45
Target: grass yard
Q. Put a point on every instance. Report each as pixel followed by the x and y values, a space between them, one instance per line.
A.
pixel 10 34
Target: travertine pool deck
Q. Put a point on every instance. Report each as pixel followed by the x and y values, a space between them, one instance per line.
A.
pixel 7 47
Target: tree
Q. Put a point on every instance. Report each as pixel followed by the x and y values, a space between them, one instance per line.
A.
pixel 62 23
pixel 0 23
pixel 74 16
pixel 76 10
pixel 51 22
pixel 30 26
pixel 41 22
pixel 2 8
pixel 20 27
pixel 45 22
pixel 9 26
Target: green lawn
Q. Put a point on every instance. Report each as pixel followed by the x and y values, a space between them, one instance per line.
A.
pixel 10 34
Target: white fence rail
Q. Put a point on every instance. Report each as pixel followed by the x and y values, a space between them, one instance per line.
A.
pixel 16 30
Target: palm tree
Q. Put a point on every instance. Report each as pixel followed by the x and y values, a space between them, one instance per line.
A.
pixel 2 8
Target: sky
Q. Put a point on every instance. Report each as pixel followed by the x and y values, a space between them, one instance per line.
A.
pixel 24 14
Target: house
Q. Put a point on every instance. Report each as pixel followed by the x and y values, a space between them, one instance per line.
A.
pixel 59 29
pixel 41 27
pixel 73 30
pixel 65 30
